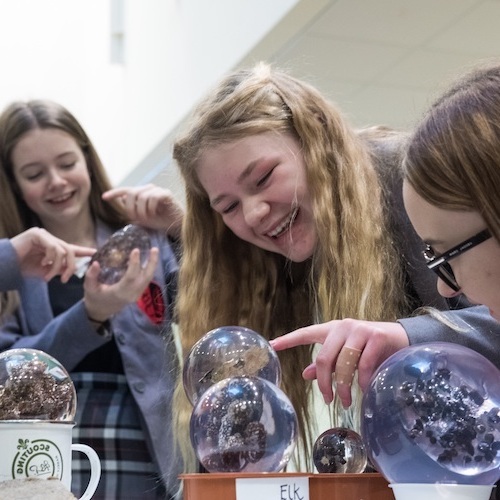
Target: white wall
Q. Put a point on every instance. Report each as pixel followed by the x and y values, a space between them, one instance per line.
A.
pixel 173 50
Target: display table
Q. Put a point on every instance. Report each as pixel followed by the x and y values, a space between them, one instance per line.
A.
pixel 369 486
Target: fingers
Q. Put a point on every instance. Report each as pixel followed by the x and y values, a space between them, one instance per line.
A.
pixel 345 368
pixel 43 255
pixel 139 202
pixel 103 300
pixel 137 276
pixel 346 365
pixel 150 206
pixel 347 345
pixel 314 334
pixel 115 193
pixel 63 260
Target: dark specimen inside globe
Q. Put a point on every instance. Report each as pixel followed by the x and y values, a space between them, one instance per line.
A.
pixel 34 385
pixel 432 414
pixel 243 424
pixel 228 351
pixel 114 254
pixel 339 450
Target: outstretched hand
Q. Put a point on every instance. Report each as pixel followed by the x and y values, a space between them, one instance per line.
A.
pixel 375 341
pixel 43 255
pixel 102 300
pixel 150 206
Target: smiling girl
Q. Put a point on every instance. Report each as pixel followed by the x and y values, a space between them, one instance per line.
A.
pixel 293 218
pixel 117 349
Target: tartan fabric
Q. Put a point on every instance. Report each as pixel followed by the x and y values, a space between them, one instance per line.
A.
pixel 107 419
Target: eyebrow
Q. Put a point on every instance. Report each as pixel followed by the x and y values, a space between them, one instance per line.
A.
pixel 244 175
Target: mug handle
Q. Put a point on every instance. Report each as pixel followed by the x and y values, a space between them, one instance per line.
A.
pixel 95 469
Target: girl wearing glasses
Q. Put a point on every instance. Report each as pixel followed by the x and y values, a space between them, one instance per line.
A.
pixel 452 186
pixel 293 219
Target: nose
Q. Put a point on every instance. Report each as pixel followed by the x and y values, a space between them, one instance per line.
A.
pixel 445 290
pixel 254 211
pixel 55 178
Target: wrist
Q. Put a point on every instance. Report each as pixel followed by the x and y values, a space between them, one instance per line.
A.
pixel 102 327
pixel 96 321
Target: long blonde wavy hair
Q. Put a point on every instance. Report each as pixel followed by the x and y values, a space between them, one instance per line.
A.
pixel 354 271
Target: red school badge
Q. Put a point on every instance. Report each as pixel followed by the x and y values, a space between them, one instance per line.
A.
pixel 152 304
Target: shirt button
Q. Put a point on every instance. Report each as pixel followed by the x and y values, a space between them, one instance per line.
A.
pixel 121 339
pixel 139 387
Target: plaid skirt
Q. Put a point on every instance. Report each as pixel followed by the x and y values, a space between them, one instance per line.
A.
pixel 108 420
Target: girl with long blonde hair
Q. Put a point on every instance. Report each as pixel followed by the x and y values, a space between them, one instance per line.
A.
pixel 286 224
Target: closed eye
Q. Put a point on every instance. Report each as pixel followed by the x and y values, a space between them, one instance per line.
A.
pixel 263 179
pixel 229 208
pixel 34 177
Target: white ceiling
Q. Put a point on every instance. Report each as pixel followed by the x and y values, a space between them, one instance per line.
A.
pixel 383 61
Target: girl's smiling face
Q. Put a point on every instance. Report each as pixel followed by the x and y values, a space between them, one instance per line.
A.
pixel 258 185
pixel 477 270
pixel 51 173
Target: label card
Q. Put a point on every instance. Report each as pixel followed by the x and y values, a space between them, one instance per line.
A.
pixel 272 488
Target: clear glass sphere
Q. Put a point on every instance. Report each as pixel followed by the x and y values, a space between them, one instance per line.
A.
pixel 243 424
pixel 431 414
pixel 228 351
pixel 339 450
pixel 34 385
pixel 114 254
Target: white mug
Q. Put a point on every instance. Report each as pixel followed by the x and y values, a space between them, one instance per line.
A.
pixel 42 449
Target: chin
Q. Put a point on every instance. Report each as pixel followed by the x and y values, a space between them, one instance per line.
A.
pixel 494 315
pixel 299 256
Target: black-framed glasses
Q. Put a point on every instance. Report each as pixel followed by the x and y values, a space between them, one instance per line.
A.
pixel 439 264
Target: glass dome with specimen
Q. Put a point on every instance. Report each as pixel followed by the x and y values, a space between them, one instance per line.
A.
pixel 228 351
pixel 243 424
pixel 35 386
pixel 114 254
pixel 339 450
pixel 431 414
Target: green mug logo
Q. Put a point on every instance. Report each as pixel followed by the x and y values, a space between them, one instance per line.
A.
pixel 38 458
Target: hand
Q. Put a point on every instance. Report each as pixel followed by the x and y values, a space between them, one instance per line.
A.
pixel 150 206
pixel 43 255
pixel 376 341
pixel 102 301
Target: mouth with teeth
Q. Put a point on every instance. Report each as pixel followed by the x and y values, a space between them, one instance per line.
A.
pixel 286 224
pixel 61 199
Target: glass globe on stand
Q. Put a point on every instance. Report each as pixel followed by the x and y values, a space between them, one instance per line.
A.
pixel 228 351
pixel 243 424
pixel 35 386
pixel 339 450
pixel 431 414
